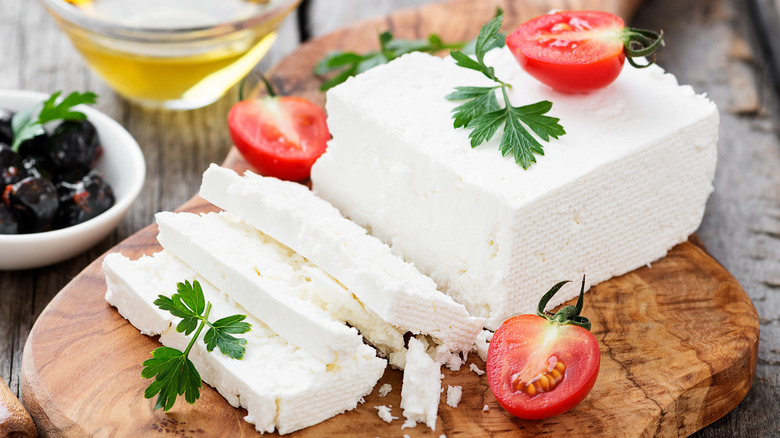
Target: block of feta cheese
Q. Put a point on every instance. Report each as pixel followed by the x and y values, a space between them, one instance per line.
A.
pixel 282 387
pixel 627 181
pixel 393 289
pixel 292 296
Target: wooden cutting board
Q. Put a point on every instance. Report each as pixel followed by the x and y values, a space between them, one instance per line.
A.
pixel 678 340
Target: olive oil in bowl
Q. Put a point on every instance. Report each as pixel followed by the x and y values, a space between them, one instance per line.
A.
pixel 176 54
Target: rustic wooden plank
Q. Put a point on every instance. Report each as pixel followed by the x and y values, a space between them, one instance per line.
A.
pixel 714 49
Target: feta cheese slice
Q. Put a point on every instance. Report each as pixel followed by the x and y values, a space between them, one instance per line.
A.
pixel 421 388
pixel 627 181
pixel 263 278
pixel 298 300
pixel 393 289
pixel 281 386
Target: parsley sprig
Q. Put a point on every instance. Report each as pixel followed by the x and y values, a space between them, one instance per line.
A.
pixel 350 64
pixel 173 372
pixel 484 116
pixel 29 123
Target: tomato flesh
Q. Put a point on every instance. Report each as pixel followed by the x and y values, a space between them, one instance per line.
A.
pixel 527 347
pixel 574 51
pixel 279 136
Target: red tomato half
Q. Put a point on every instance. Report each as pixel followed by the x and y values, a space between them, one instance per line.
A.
pixel 279 136
pixel 526 351
pixel 575 51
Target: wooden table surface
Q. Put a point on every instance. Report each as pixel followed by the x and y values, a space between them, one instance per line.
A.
pixel 711 44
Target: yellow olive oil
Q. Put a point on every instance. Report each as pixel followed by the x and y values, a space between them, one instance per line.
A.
pixel 171 73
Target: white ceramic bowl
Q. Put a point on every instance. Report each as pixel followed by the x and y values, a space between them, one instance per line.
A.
pixel 122 164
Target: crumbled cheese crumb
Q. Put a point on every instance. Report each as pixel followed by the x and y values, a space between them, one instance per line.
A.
pixel 454 394
pixel 409 424
pixel 385 389
pixel 384 413
pixel 482 343
pixel 362 400
pixel 475 368
pixel 442 436
pixel 485 408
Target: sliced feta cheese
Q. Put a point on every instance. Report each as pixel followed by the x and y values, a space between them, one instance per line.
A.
pixel 473 367
pixel 264 278
pixel 395 290
pixel 384 413
pixel 267 268
pixel 281 386
pixel 627 181
pixel 385 389
pixel 421 387
pixel 454 393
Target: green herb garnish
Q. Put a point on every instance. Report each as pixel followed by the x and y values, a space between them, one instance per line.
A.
pixel 483 115
pixel 350 63
pixel 173 372
pixel 27 124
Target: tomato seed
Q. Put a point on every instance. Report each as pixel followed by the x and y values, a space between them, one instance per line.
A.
pixel 544 382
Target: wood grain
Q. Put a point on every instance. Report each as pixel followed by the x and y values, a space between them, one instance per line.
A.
pixel 679 343
pixel 15 422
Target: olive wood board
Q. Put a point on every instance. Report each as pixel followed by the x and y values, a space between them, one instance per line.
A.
pixel 678 339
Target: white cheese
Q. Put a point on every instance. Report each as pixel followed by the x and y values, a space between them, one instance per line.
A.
pixel 485 408
pixel 421 387
pixel 482 344
pixel 384 413
pixel 231 252
pixel 393 289
pixel 263 277
pixel 281 386
pixel 454 394
pixel 473 367
pixel 385 389
pixel 628 181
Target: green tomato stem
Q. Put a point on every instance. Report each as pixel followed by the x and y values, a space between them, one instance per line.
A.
pixel 641 43
pixel 569 315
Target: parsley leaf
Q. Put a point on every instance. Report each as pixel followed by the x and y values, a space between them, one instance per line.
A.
pixel 484 116
pixel 173 372
pixel 219 336
pixel 349 64
pixel 26 125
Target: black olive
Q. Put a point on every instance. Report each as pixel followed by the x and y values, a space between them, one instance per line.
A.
pixel 35 168
pixel 11 167
pixel 74 146
pixel 35 147
pixel 34 200
pixel 8 222
pixel 83 199
pixel 6 130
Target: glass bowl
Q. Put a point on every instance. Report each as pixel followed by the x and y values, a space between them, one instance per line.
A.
pixel 176 54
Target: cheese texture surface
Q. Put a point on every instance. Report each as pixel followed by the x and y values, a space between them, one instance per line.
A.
pixel 295 298
pixel 281 386
pixel 628 180
pixel 395 290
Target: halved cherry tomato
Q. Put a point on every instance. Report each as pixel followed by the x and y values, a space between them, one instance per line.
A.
pixel 579 51
pixel 279 136
pixel 540 366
